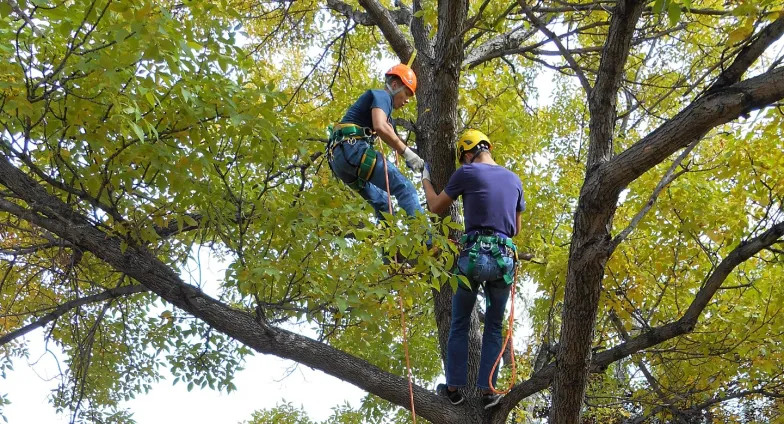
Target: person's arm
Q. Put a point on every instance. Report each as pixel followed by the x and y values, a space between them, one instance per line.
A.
pixel 437 203
pixel 385 131
pixel 387 134
pixel 520 208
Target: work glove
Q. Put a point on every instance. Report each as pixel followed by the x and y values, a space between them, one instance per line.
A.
pixel 413 160
pixel 426 172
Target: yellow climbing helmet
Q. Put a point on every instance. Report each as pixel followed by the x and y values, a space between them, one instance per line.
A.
pixel 469 140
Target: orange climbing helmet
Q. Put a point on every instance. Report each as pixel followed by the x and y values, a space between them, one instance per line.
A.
pixel 405 74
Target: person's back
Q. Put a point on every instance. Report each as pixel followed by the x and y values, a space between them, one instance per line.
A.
pixel 360 114
pixel 491 196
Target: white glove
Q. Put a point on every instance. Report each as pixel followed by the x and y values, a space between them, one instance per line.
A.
pixel 426 173
pixel 413 160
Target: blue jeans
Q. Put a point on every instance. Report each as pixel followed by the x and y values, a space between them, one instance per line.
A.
pixel 345 162
pixel 497 291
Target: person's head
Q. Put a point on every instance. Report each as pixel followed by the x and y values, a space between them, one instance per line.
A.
pixel 470 145
pixel 401 83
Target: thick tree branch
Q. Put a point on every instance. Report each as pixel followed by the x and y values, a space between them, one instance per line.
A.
pixel 68 306
pixel 52 214
pixel 692 124
pixel 420 31
pixel 589 249
pixel 749 55
pixel 388 27
pixel 498 46
pixel 449 43
pixel 689 319
pixel 20 13
pixel 602 100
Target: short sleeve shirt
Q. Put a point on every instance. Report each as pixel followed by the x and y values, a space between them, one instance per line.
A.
pixel 360 112
pixel 492 196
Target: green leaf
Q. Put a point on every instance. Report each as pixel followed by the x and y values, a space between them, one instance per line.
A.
pixel 138 130
pixel 658 6
pixel 342 304
pixel 674 12
pixel 194 45
pixel 150 98
pixel 5 10
pixel 190 221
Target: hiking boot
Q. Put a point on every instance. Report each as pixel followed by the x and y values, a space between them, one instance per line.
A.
pixel 490 400
pixel 455 397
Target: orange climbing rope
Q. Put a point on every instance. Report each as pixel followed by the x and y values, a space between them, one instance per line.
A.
pixel 509 333
pixel 402 311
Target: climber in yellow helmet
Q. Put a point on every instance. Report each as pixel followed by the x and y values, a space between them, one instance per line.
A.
pixel 492 206
pixel 352 156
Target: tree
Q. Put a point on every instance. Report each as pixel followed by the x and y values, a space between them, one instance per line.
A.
pixel 135 132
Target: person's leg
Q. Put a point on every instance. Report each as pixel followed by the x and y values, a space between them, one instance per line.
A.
pixel 457 346
pixel 377 198
pixel 400 187
pixel 496 295
pixel 345 161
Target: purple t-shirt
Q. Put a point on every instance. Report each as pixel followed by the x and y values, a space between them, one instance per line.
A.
pixel 492 196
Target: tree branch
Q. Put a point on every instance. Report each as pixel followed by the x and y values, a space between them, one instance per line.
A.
pixel 692 124
pixel 20 13
pixel 498 46
pixel 68 306
pixel 420 31
pixel 749 55
pixel 400 16
pixel 388 27
pixel 555 39
pixel 603 97
pixel 668 177
pixel 541 379
pixel 689 319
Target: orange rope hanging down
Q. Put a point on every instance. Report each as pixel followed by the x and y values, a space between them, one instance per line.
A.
pixel 402 312
pixel 509 333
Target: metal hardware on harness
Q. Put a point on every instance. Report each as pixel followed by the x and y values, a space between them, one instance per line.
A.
pixel 351 133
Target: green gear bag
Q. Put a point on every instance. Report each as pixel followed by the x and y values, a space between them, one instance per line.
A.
pixel 366 167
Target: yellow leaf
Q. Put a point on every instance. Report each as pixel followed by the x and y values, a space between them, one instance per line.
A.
pixel 740 34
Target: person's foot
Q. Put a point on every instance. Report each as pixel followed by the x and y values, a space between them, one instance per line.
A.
pixel 454 396
pixel 490 400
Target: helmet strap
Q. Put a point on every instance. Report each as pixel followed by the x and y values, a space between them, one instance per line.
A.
pixel 479 150
pixel 394 92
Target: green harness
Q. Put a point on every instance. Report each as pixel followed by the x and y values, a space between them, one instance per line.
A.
pixel 494 243
pixel 368 162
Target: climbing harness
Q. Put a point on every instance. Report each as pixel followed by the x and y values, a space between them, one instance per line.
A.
pixel 351 133
pixel 488 240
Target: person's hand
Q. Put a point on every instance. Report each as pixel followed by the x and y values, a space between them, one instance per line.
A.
pixel 426 172
pixel 413 160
